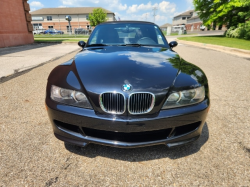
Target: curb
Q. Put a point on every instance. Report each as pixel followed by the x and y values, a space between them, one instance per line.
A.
pixel 235 51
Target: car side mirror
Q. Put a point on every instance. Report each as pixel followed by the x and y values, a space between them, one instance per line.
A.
pixel 173 44
pixel 81 44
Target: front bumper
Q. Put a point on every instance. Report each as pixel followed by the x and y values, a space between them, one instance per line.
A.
pixel 171 127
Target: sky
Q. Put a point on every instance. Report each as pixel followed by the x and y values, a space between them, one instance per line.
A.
pixel 125 9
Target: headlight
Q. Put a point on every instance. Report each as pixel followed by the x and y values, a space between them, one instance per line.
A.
pixel 69 97
pixel 183 98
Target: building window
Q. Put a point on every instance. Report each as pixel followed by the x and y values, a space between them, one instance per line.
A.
pixel 87 17
pixel 183 18
pixel 37 26
pixel 51 27
pixel 37 18
pixel 49 18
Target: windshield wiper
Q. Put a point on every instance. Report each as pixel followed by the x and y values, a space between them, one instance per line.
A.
pixel 134 45
pixel 97 45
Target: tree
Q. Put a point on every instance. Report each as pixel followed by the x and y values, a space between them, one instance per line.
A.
pixel 245 14
pixel 98 16
pixel 223 12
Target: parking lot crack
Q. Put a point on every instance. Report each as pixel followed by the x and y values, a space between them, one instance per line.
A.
pixel 247 150
pixel 67 166
pixel 51 181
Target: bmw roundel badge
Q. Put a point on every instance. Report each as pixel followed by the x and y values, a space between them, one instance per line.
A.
pixel 126 87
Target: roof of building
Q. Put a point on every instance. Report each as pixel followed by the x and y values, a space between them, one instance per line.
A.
pixel 166 25
pixel 74 10
pixel 194 17
pixel 187 13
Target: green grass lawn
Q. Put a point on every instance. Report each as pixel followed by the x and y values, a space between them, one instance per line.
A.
pixel 220 40
pixel 59 36
pixel 60 40
pixel 174 34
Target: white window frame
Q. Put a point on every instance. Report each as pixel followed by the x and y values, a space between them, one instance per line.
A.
pixel 49 19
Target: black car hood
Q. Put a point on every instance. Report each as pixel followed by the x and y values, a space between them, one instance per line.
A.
pixel 108 68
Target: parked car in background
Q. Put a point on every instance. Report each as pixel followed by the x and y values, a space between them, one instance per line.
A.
pixel 178 28
pixel 81 31
pixel 202 27
pixel 38 31
pixel 53 31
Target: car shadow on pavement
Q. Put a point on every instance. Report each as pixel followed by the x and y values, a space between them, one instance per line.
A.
pixel 140 154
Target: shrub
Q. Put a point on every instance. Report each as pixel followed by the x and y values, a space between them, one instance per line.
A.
pixel 229 32
pixel 238 32
pixel 247 29
pixel 247 36
pixel 242 31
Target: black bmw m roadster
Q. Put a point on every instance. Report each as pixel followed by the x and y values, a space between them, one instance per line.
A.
pixel 127 88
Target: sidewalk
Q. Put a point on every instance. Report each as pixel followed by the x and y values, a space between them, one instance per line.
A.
pixel 17 59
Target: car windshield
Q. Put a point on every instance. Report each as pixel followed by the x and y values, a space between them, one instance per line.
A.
pixel 127 34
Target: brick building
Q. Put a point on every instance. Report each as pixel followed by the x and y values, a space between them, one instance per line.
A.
pixel 192 21
pixel 15 21
pixel 181 19
pixel 46 18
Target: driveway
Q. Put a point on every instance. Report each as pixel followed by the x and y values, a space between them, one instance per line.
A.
pixel 17 59
pixel 30 155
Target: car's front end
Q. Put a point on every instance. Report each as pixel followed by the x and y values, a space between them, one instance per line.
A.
pixel 172 127
pixel 127 96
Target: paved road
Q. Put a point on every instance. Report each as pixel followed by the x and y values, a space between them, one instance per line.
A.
pixel 20 58
pixel 30 155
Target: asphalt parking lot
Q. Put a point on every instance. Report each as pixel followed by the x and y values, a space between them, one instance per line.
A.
pixel 30 155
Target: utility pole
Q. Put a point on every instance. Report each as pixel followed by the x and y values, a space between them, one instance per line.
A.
pixel 154 9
